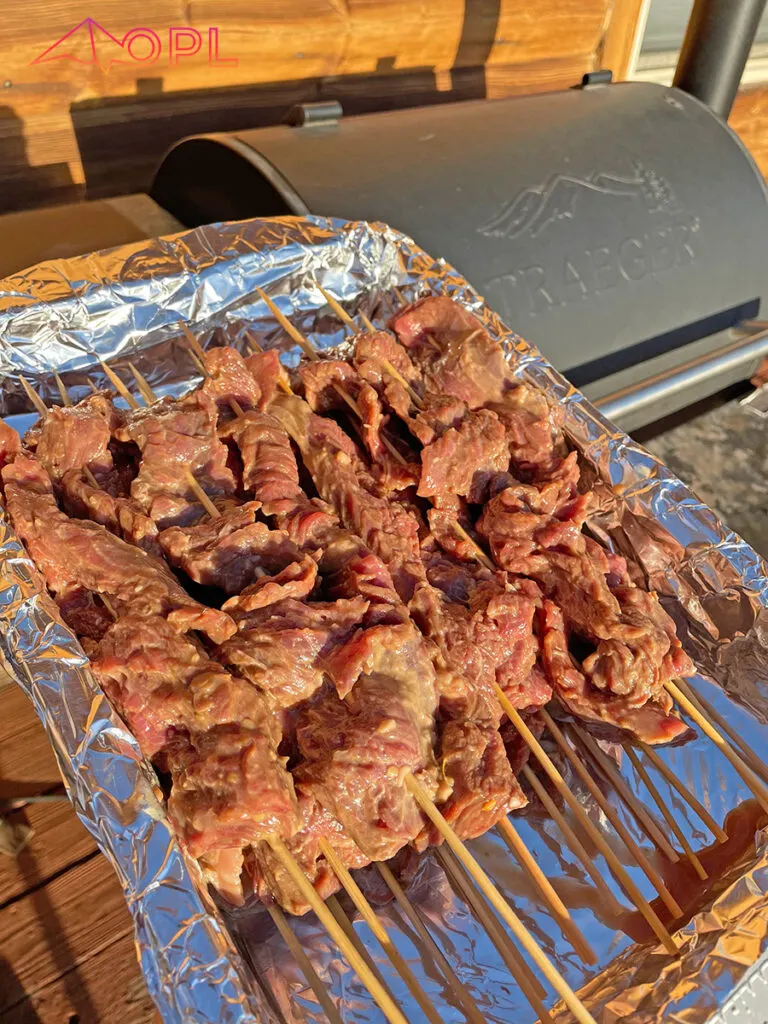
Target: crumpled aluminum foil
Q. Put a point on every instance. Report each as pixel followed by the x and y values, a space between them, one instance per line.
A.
pixel 204 962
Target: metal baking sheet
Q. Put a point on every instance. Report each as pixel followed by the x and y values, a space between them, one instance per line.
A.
pixel 203 962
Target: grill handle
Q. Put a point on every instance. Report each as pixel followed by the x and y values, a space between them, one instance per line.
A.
pixel 667 383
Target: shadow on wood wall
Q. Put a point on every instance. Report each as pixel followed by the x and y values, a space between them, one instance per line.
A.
pixel 23 184
pixel 122 139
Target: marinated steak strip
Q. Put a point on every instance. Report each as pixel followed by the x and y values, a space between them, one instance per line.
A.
pixel 10 444
pixel 229 377
pixel 296 580
pixel 538 531
pixel 374 350
pixel 271 880
pixel 121 516
pixel 269 467
pixel 393 534
pixel 282 648
pixel 341 477
pixel 469 365
pixel 650 721
pixel 534 429
pixel 322 383
pixel 211 731
pixel 358 750
pixel 175 437
pixel 230 552
pixel 76 554
pixel 464 459
pixel 70 438
pixel 269 373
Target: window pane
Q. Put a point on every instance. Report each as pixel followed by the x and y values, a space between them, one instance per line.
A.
pixel 666 25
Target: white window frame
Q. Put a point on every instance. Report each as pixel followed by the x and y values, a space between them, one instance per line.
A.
pixel 660 67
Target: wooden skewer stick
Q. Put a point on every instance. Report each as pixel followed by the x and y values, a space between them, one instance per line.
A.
pixel 597 795
pixel 529 984
pixel 34 398
pixel 499 904
pixel 573 841
pixel 342 314
pixel 252 343
pixel 305 965
pixel 256 348
pixel 370 917
pixel 199 366
pixel 200 494
pixel 614 776
pixel 42 409
pixel 90 478
pixel 758 767
pixel 192 342
pixel 694 803
pixel 459 990
pixel 557 908
pixel 233 403
pixel 65 399
pixel 743 769
pixel 118 385
pixel 337 308
pixel 618 869
pixel 288 327
pixel 143 385
pixel 389 1008
pixel 92 386
pixel 346 926
pixel 639 767
pixel 415 397
pixel 478 552
pixel 343 393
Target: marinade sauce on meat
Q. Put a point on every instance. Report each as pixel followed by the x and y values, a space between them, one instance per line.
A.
pixel 341 639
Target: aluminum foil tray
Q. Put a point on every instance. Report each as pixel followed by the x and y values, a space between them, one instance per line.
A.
pixel 203 962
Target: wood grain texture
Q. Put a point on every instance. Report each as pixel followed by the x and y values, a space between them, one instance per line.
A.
pixel 749 119
pixel 27 764
pixel 58 840
pixel 66 122
pixel 68 950
pixel 108 985
pixel 619 36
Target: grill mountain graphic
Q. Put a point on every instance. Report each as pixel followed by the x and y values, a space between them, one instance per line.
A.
pixel 87 43
pixel 534 209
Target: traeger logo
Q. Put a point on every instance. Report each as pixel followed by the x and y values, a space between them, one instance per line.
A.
pixel 544 222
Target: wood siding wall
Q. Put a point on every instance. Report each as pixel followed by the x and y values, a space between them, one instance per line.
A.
pixel 749 118
pixel 71 126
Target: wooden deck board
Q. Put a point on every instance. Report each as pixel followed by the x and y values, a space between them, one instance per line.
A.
pixel 58 841
pixel 105 988
pixel 66 938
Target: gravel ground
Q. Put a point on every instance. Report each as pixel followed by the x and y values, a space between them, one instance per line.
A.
pixel 722 455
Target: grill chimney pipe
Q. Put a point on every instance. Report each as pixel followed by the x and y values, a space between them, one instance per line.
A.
pixel 717 42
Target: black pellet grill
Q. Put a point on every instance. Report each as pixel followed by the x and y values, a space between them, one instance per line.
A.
pixel 622 228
